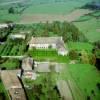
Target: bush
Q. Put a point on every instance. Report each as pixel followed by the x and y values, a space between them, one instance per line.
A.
pixel 98 85
pixel 73 54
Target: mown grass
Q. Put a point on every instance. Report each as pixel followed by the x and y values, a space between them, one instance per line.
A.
pixel 47 55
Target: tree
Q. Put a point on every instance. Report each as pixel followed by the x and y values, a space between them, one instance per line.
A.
pixel 88 98
pixel 73 54
pixel 93 59
pixel 97 44
pixel 11 10
pixel 92 91
pixel 84 57
pixel 98 85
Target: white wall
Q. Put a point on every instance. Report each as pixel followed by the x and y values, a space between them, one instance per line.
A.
pixel 42 46
pixel 63 53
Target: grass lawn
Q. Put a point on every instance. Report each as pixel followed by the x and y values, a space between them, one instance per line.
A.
pixel 80 46
pixel 86 76
pixel 48 55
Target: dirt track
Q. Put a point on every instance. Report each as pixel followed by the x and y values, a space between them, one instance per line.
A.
pixel 36 18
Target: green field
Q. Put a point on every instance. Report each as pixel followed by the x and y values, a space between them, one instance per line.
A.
pixel 12 49
pixel 10 64
pixel 54 8
pixel 38 7
pixel 86 76
pixel 90 26
pixel 48 55
pixel 80 46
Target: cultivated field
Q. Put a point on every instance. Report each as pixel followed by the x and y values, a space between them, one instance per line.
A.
pixel 36 18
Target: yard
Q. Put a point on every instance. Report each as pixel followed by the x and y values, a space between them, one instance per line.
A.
pixel 47 55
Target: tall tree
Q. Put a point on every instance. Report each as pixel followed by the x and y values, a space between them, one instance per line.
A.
pixel 11 10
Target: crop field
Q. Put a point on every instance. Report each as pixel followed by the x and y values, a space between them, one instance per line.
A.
pixel 11 50
pixel 79 28
pixel 34 7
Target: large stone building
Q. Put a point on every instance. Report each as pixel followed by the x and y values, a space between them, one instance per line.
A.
pixel 49 42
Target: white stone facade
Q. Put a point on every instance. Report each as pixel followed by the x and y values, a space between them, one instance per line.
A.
pixel 49 42
pixel 42 46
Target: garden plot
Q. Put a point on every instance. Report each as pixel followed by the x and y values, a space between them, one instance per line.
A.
pixel 12 50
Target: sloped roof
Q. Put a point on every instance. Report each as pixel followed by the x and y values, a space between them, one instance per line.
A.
pixel 27 63
pixel 13 85
pixel 44 40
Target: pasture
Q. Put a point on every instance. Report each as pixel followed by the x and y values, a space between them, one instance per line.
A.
pixel 33 7
pixel 80 46
pixel 90 29
pixel 90 25
pixel 87 79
